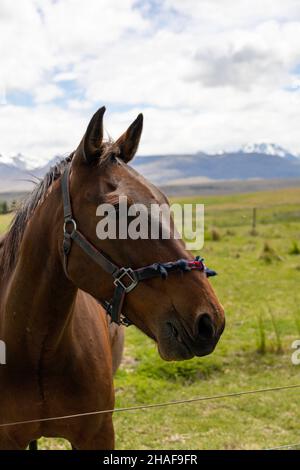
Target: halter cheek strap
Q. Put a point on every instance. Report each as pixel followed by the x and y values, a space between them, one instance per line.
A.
pixel 125 279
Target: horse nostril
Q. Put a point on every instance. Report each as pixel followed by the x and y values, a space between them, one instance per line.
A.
pixel 205 327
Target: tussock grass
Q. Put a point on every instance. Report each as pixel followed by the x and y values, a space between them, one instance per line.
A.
pixel 295 249
pixel 230 233
pixel 276 328
pixel 261 339
pixel 253 232
pixel 269 254
pixel 296 313
pixel 215 235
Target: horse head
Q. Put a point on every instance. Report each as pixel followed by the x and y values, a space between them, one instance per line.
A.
pixel 181 313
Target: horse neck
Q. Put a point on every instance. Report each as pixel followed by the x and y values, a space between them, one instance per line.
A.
pixel 41 299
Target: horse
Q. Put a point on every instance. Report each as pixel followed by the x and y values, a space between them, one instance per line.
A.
pixel 56 275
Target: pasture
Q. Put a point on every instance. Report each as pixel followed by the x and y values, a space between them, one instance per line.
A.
pixel 258 284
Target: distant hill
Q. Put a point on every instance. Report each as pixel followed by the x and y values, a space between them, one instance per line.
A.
pixel 254 161
pixel 202 167
pixel 16 177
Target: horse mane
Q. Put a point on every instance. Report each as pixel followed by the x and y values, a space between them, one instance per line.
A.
pixel 10 243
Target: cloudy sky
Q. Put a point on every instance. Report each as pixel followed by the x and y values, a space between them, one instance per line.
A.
pixel 207 74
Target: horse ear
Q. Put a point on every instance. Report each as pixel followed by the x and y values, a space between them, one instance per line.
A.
pixel 92 140
pixel 128 142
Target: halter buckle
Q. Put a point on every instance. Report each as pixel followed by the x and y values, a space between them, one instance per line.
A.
pixel 130 275
pixel 74 228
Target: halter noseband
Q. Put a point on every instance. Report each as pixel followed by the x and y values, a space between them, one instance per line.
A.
pixel 125 279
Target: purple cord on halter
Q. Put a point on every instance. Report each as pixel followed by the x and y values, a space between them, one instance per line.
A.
pixel 183 265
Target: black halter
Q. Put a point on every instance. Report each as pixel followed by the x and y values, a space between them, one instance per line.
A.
pixel 125 279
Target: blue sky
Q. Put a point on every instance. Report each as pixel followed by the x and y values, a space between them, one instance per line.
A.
pixel 207 74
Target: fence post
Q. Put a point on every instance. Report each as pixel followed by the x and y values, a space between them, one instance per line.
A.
pixel 254 219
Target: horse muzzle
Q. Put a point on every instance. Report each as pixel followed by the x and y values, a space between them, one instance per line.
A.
pixel 178 342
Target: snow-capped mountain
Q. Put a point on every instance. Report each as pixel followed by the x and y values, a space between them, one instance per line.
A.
pixel 253 161
pixel 19 161
pixel 267 149
pixel 23 162
pixel 18 172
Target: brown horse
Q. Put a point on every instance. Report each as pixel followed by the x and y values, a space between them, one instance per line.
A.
pixel 62 350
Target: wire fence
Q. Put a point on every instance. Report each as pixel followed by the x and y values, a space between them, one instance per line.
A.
pixel 155 405
pixel 285 447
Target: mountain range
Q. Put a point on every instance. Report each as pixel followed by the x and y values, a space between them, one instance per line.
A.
pixel 253 161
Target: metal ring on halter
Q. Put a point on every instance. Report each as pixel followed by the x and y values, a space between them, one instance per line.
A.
pixel 66 223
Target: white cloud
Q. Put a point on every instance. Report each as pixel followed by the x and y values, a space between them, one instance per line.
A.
pixel 207 74
pixel 216 15
pixel 23 47
pixel 47 93
pixel 40 132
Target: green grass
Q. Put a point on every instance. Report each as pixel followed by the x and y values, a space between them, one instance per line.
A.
pixel 4 222
pixel 261 300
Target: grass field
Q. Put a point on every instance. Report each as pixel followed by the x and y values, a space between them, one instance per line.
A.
pixel 258 284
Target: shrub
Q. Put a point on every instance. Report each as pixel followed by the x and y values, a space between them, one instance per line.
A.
pixel 3 207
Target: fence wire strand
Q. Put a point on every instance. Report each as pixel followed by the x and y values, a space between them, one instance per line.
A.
pixel 285 447
pixel 154 405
